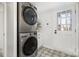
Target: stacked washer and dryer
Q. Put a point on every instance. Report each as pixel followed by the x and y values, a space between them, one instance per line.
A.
pixel 27 42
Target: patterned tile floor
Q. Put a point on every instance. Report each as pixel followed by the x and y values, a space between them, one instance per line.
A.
pixel 46 52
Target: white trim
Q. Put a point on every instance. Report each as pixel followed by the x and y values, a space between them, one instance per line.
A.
pixel 5 30
pixel 76 29
pixel 15 29
pixel 78 26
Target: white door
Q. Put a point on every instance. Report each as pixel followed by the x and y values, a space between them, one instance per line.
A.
pixel 1 27
pixel 64 39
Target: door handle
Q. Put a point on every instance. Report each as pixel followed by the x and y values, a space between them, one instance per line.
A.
pixel 55 31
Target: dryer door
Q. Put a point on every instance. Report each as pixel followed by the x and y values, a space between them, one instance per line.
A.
pixel 29 46
pixel 29 15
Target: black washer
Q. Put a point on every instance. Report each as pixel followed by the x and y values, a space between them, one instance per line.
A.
pixel 29 46
pixel 29 15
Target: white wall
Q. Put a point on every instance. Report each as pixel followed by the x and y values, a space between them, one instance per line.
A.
pixel 11 29
pixel 46 13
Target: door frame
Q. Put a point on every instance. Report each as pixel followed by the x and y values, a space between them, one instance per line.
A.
pixel 77 27
pixel 5 30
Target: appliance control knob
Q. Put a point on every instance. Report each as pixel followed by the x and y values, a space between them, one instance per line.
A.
pixel 21 40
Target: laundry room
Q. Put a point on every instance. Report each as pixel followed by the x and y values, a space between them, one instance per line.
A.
pixel 39 29
pixel 56 25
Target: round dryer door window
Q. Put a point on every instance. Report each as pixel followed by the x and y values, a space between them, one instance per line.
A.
pixel 30 46
pixel 29 15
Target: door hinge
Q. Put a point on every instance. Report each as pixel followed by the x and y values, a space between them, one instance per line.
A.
pixel 75 11
pixel 3 34
pixel 75 30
